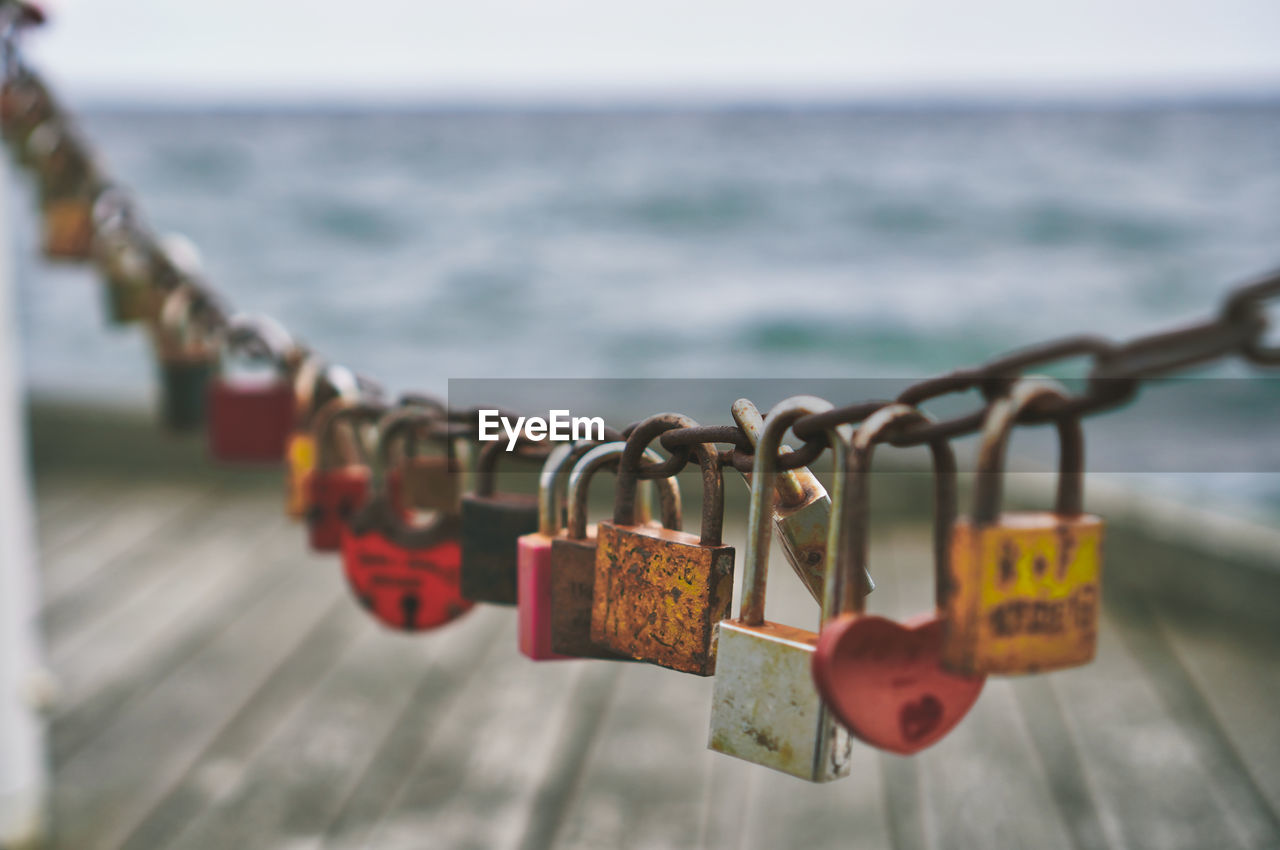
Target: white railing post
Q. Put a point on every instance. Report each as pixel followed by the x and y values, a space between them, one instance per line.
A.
pixel 23 771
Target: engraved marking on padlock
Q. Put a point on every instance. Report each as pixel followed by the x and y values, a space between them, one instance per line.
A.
pixel 1025 583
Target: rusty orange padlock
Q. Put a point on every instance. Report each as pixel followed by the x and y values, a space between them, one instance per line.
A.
pixel 572 567
pixel 1025 585
pixel 660 592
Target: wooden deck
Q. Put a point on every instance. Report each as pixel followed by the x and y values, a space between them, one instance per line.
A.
pixel 220 690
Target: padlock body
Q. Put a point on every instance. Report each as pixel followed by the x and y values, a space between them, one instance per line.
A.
pixel 335 495
pixel 299 461
pixel 573 577
pixel 659 595
pixel 533 612
pixel 184 387
pixel 130 301
pixel 491 526
pixel 1024 594
pixel 68 228
pixel 250 422
pixel 427 483
pixel 406 589
pixel 765 708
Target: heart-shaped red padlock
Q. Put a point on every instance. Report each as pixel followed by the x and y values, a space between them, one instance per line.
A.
pixel 885 682
pixel 882 679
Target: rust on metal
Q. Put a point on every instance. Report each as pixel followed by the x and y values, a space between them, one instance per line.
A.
pixel 1025 594
pixel 659 594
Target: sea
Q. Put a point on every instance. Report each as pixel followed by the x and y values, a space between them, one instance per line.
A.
pixel 803 244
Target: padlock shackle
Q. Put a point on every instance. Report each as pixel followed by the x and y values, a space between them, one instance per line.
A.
pixel 711 532
pixel 996 430
pixel 849 538
pixel 398 420
pixel 794 486
pixel 764 491
pixel 555 471
pixel 260 337
pixel 335 412
pixel 188 325
pixel 305 378
pixel 609 455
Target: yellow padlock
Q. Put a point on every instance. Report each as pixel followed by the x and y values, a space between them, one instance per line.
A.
pixel 1025 586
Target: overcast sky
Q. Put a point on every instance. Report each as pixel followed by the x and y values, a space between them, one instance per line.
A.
pixel 237 49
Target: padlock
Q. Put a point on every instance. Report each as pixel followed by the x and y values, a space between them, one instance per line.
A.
pixel 300 447
pixel 659 592
pixel 429 482
pixel 801 509
pixel 492 522
pixel 765 708
pixel 533 555
pixel 186 340
pixel 251 417
pixel 60 158
pixel 1025 585
pixel 882 679
pixel 407 578
pixel 68 187
pixel 405 574
pixel 25 103
pixel 573 556
pixel 122 254
pixel 341 481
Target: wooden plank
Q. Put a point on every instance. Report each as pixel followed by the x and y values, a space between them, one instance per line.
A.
pixel 782 811
pixel 1234 667
pixel 291 789
pixel 1159 777
pixel 983 785
pixel 645 781
pixel 1244 807
pixel 181 612
pixel 457 655
pixel 228 760
pixel 476 783
pixel 59 500
pixel 108 532
pixel 110 785
pixel 133 587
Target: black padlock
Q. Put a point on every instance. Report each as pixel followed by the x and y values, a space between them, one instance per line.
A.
pixel 492 523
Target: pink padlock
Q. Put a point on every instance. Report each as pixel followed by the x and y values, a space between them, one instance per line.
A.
pixel 533 563
pixel 533 558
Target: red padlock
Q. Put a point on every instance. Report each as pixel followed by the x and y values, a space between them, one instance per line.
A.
pixel 406 575
pixel 884 680
pixel 339 485
pixel 251 416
